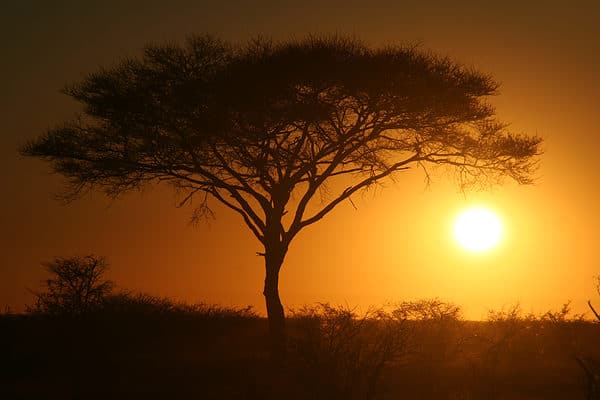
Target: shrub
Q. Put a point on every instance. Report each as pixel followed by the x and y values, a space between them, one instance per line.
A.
pixel 76 285
pixel 342 354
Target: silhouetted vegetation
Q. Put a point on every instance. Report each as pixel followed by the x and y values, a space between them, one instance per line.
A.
pixel 339 354
pixel 138 345
pixel 266 127
pixel 75 286
pixel 591 365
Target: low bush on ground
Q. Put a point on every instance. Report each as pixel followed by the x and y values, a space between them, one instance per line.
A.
pixel 135 345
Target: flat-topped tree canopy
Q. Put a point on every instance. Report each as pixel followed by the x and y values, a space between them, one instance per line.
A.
pixel 250 124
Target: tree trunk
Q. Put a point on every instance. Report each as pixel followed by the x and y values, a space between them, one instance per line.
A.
pixel 274 256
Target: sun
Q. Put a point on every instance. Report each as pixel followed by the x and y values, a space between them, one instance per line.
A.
pixel 478 229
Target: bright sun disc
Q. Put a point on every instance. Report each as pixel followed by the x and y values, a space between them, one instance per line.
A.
pixel 477 229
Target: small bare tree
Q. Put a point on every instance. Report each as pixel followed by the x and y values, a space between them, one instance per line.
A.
pixel 590 302
pixel 76 285
pixel 589 365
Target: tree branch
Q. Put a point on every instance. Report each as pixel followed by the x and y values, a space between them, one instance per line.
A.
pixel 255 230
pixel 353 189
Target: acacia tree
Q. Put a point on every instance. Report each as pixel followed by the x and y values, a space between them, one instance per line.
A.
pixel 262 127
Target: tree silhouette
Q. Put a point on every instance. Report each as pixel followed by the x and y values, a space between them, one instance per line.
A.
pixel 590 302
pixel 75 286
pixel 263 127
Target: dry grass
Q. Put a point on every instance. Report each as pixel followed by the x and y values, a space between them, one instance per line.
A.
pixel 143 346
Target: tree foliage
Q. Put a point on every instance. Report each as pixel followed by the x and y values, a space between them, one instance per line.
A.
pixel 76 285
pixel 255 123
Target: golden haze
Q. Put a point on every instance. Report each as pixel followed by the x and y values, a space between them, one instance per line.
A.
pixel 397 245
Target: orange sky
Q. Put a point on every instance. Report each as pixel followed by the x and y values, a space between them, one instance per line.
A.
pixel 397 245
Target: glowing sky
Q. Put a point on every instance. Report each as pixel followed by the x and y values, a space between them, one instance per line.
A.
pixel 398 244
